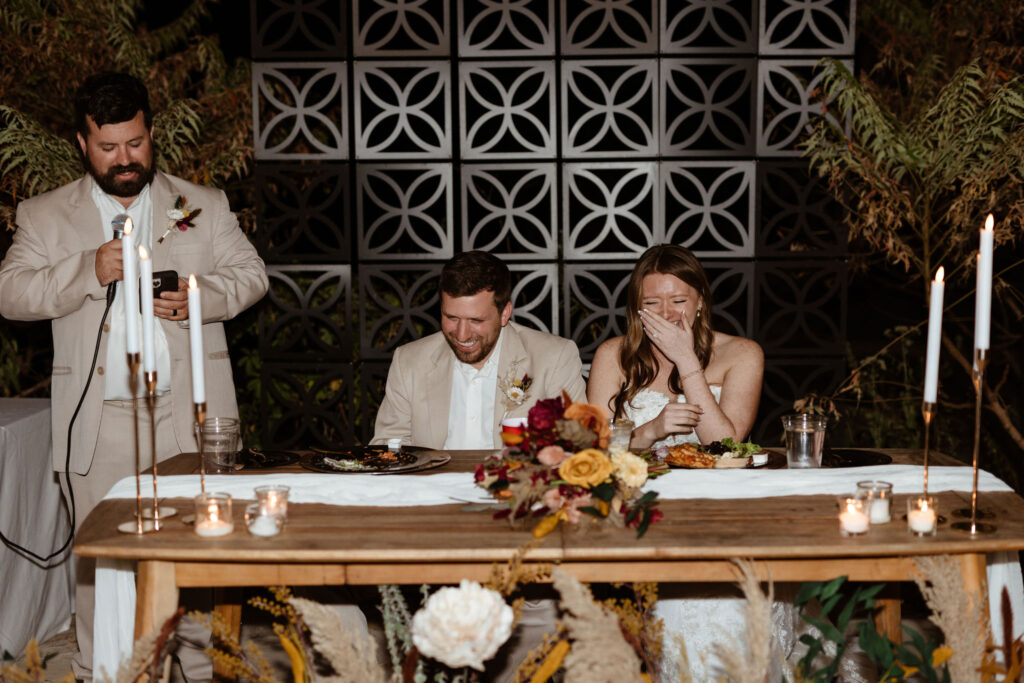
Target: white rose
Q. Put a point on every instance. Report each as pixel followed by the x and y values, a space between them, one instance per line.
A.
pixel 175 214
pixel 630 469
pixel 462 626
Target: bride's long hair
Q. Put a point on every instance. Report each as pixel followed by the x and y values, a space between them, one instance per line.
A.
pixel 636 357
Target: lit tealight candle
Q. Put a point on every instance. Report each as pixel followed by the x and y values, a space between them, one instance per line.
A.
pixel 213 515
pixel 195 338
pixel 921 516
pixel 146 277
pixel 853 519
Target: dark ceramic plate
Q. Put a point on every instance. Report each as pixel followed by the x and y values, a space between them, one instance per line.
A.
pixel 253 459
pixel 852 457
pixel 365 460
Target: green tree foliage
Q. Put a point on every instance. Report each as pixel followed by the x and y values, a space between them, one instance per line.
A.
pixel 202 119
pixel 935 142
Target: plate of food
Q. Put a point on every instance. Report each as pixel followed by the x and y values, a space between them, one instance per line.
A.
pixel 724 454
pixel 367 460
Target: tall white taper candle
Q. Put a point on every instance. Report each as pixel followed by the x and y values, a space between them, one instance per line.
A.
pixel 130 284
pixel 983 292
pixel 195 338
pixel 931 372
pixel 146 278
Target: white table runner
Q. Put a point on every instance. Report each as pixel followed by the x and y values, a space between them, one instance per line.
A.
pixel 115 579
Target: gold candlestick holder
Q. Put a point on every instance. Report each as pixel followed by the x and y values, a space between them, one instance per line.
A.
pixel 157 512
pixel 139 525
pixel 200 413
pixel 973 526
pixel 928 411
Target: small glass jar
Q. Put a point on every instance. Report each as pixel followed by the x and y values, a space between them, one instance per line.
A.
pixel 261 523
pixel 922 515
pixel 213 515
pixel 621 434
pixel 854 515
pixel 881 500
pixel 273 499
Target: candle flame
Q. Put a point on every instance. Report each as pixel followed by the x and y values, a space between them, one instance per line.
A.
pixel 192 284
pixel 143 254
pixel 128 225
pixel 990 223
pixel 213 513
pixel 940 273
pixel 924 506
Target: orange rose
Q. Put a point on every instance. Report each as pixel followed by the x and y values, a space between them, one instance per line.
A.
pixel 593 418
pixel 586 468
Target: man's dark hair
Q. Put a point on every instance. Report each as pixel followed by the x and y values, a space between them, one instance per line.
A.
pixel 110 98
pixel 471 272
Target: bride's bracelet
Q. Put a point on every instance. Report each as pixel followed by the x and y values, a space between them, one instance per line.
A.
pixel 690 374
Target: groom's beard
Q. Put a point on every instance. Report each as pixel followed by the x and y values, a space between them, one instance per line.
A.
pixel 110 183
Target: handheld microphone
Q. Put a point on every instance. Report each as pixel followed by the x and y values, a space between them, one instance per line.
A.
pixel 118 226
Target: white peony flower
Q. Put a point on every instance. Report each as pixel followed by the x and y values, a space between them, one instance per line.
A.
pixel 462 626
pixel 630 469
pixel 175 214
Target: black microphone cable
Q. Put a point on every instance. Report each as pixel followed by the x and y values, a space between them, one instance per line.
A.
pixel 118 225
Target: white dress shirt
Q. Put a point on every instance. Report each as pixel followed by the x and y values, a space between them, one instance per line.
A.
pixel 116 371
pixel 471 411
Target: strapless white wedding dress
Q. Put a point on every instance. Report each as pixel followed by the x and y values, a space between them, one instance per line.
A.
pixel 702 614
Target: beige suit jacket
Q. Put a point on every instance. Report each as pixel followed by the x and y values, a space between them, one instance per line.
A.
pixel 418 393
pixel 49 273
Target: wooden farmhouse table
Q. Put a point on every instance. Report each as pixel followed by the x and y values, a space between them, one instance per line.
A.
pixel 791 538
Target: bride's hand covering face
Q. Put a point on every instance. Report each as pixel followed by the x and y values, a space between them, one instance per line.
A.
pixel 670 348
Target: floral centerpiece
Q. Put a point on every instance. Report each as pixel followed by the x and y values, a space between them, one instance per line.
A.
pixel 557 468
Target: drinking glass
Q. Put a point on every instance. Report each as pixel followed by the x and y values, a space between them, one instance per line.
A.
pixel 220 443
pixel 622 432
pixel 805 435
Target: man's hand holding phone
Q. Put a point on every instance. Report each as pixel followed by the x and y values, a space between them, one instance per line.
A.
pixel 171 304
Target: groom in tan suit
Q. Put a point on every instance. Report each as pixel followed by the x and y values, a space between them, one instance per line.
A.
pixel 62 260
pixel 452 389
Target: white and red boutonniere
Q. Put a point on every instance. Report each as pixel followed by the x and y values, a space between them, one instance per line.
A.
pixel 516 390
pixel 179 217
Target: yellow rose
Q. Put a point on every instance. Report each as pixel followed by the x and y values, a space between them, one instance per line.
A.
pixel 587 468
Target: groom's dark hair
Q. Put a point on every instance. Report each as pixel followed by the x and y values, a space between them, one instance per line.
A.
pixel 110 98
pixel 471 272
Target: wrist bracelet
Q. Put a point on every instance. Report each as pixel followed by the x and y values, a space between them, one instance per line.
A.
pixel 690 374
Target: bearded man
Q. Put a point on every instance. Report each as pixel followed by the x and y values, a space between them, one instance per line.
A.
pixel 62 261
pixel 452 389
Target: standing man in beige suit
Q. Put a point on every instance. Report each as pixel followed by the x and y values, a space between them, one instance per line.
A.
pixel 63 259
pixel 452 389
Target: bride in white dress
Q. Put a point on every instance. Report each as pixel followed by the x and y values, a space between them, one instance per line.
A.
pixel 678 380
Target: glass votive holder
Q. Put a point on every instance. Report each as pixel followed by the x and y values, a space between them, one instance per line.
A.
pixel 273 500
pixel 881 500
pixel 922 515
pixel 261 523
pixel 854 517
pixel 621 434
pixel 213 514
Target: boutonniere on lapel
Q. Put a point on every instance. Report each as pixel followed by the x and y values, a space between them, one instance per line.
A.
pixel 179 217
pixel 515 389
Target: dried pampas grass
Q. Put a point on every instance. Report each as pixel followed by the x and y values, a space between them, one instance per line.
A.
pixel 963 617
pixel 749 658
pixel 351 654
pixel 599 652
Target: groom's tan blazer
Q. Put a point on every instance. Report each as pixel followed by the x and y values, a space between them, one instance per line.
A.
pixel 418 393
pixel 49 273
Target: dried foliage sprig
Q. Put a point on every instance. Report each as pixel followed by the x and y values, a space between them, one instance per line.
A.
pixel 747 656
pixel 962 617
pixel 351 654
pixel 34 671
pixel 598 651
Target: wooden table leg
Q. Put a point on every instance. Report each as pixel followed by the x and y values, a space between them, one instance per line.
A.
pixel 156 596
pixel 973 571
pixel 888 619
pixel 227 602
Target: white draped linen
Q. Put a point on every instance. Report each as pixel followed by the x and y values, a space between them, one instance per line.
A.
pixel 35 601
pixel 115 580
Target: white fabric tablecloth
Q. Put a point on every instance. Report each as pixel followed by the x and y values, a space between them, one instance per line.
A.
pixel 115 579
pixel 34 602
